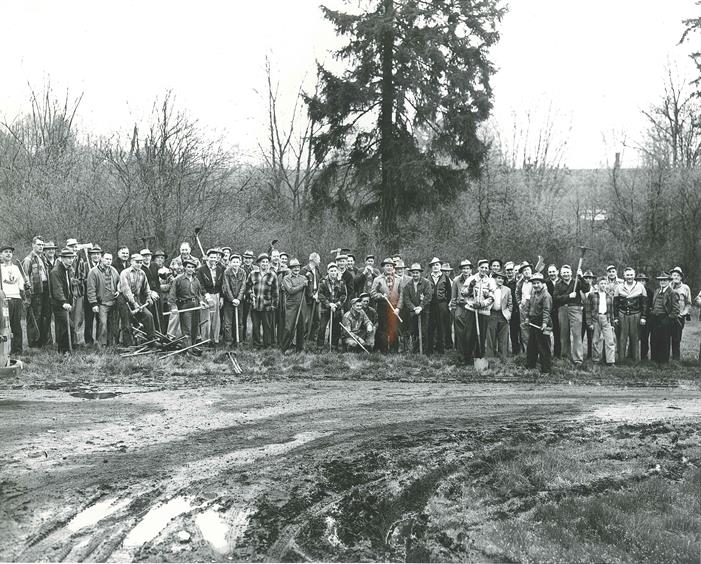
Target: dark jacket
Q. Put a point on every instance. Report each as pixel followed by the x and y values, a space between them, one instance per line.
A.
pixel 234 284
pixel 591 307
pixel 314 277
pixel 440 291
pixel 331 291
pixel 539 308
pixel 419 297
pixel 61 288
pixel 670 302
pixel 204 275
pixel 564 289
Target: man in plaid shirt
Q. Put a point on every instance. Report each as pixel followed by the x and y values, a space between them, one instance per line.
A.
pixel 263 290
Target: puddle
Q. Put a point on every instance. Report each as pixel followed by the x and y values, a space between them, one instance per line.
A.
pixel 668 409
pixel 155 521
pixel 95 395
pixel 214 529
pixel 96 513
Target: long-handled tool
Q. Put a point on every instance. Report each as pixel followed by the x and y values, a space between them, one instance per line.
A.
pixel 197 237
pixel 582 251
pixel 234 363
pixel 183 310
pixel 236 322
pixel 34 319
pixel 311 321
pixel 391 307
pixel 354 338
pixel 480 363
pixel 186 348
pixel 330 328
pixel 421 337
pixel 68 318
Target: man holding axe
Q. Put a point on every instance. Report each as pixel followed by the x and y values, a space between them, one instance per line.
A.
pixel 135 289
pixel 568 297
pixel 386 291
pixel 186 299
pixel 357 327
pixel 293 286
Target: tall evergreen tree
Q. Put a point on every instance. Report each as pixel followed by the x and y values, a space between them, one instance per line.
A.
pixel 400 122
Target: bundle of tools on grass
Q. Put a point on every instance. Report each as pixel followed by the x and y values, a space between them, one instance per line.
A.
pixel 161 343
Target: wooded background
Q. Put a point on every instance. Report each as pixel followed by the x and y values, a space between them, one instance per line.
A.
pixel 395 153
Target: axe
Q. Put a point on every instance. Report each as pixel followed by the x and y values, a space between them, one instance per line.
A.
pixel 197 237
pixel 582 251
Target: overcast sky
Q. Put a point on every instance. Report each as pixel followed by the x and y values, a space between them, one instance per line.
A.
pixel 597 63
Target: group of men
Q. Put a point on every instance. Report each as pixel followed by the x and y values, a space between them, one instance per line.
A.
pixel 494 309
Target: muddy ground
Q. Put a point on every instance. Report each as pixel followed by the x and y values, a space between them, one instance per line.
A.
pixel 100 467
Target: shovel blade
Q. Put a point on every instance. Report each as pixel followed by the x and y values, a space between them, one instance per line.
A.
pixel 481 364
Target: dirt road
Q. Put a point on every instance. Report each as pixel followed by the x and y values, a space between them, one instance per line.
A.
pixel 303 470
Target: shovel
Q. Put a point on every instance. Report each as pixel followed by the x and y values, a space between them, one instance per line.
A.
pixel 481 364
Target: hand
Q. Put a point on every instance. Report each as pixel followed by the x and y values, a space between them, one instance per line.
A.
pixel 579 273
pixel 67 307
pixel 306 282
pixel 417 310
pixel 396 310
pixel 573 295
pixel 204 305
pixel 591 327
pixel 221 302
pixel 237 302
pixel 333 307
pixel 154 295
pixel 615 321
pixel 369 327
pixel 173 310
pixel 643 322
pixel 544 327
pixel 96 309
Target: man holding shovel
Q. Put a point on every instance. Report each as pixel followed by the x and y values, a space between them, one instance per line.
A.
pixel 293 286
pixel 539 307
pixel 479 297
pixel 62 300
pixel 233 288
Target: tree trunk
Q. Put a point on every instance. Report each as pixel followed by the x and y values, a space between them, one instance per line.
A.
pixel 388 212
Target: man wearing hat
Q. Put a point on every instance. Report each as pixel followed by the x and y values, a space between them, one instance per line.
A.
pixel 515 321
pixel 499 316
pixel 35 269
pixel 363 283
pixel 248 257
pixel 414 303
pixel 176 265
pixel 663 314
pixel 49 257
pixel 457 304
pixel 438 314
pixel 12 284
pixel 684 293
pixel 644 330
pixel 294 285
pixel 359 325
pixel 102 292
pixel 538 315
pixel 630 299
pixel 371 312
pixel 91 327
pixel 612 279
pixel 79 280
pixel 211 276
pixel 332 297
pixel 280 315
pixel 138 296
pixel 478 292
pixel 186 300
pixel 62 299
pixel 346 277
pixel 553 277
pixel 386 291
pixel 586 331
pixel 568 297
pixel 264 295
pixel 311 296
pixel 233 289
pixel 226 256
pixel 523 294
pixel 600 317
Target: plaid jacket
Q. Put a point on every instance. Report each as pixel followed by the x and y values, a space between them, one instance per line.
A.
pixel 263 290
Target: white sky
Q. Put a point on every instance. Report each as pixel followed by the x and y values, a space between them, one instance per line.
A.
pixel 598 63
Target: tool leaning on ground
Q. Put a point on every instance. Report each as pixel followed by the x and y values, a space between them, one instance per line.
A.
pixel 234 362
pixel 354 338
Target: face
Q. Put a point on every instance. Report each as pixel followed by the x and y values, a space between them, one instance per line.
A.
pixel 436 267
pixel 664 283
pixel 185 249
pixel 466 270
pixel 212 259
pixel 189 269
pixel 370 262
pixel 537 285
pixel 500 281
pixel 235 262
pixel 527 272
pixel 552 272
pixel 6 255
pixel 95 257
pixel 495 265
pixel 566 273
pixel 357 306
pixel 342 263
pixel 333 272
pixel 136 263
pixel 629 275
pixel 388 268
pixel 399 270
pixel 67 261
pixel 123 253
pixel 275 257
pixel 264 264
pixel 510 272
pixel 38 246
pixel 612 273
pixel 415 275
pixel 365 302
pixel 106 259
pixel 483 269
pixel 676 277
pixel 159 260
pixel 590 280
pixel 284 259
pixel 296 269
pixel 248 261
pixel 227 254
pixel 351 262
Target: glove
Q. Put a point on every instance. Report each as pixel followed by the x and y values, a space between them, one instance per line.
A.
pixel 96 309
pixel 67 307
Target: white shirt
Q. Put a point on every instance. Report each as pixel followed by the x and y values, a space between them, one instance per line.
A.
pixel 12 280
pixel 602 303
